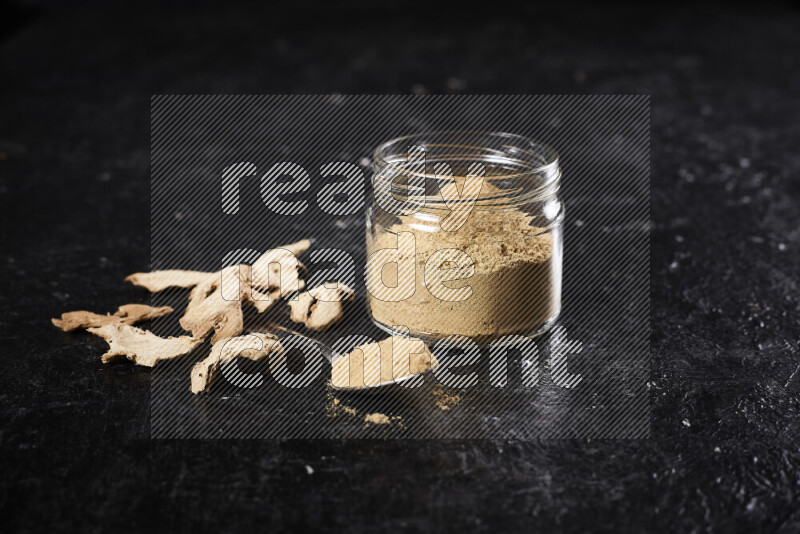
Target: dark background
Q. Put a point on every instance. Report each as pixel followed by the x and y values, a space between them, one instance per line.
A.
pixel 75 87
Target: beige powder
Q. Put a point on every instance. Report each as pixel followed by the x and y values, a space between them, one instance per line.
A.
pixel 513 287
pixel 444 400
pixel 335 408
pixel 377 419
pixel 393 358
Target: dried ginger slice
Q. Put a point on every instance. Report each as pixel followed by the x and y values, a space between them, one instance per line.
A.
pixel 320 307
pixel 253 346
pixel 276 274
pixel 280 269
pixel 156 281
pixel 160 280
pixel 125 314
pixel 263 300
pixel 216 305
pixel 142 347
pixel 371 364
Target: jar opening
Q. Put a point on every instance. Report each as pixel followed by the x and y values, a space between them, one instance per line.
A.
pixel 516 169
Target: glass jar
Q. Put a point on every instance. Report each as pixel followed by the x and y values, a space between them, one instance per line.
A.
pixel 464 236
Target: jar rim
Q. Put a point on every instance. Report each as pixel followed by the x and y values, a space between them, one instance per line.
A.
pixel 532 158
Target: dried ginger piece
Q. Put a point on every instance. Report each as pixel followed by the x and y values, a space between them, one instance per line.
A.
pixel 277 273
pixel 160 280
pixel 253 346
pixel 215 302
pixel 393 358
pixel 126 314
pixel 142 347
pixel 262 301
pixel 320 307
pixel 156 281
pixel 210 309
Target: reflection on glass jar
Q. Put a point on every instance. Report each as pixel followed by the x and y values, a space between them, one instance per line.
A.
pixel 464 236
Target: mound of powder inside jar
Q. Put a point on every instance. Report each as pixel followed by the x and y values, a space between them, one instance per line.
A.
pixel 514 285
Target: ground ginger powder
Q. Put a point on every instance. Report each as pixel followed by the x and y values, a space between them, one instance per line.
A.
pixel 392 359
pixel 513 285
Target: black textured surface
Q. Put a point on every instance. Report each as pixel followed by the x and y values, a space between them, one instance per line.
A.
pixel 725 258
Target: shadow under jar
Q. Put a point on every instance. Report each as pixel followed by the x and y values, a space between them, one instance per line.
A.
pixel 464 236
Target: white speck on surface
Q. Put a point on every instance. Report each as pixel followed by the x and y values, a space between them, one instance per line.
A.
pixel 686 175
pixel 364 162
pixel 673 266
pixel 717 450
pixel 454 84
pixel 686 423
pixel 419 89
pixel 744 163
pixel 309 470
pixel 341 225
pixel 752 504
pixel 781 246
pixel 679 238
pixel 579 223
